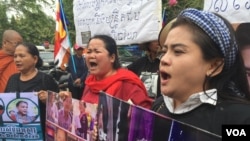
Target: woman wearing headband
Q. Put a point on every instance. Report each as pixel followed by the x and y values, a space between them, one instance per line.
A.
pixel 203 80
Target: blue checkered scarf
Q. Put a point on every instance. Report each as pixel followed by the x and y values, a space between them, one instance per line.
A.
pixel 217 30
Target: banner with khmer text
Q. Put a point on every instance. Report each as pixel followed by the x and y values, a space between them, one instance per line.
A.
pixel 235 11
pixel 127 21
pixel 20 117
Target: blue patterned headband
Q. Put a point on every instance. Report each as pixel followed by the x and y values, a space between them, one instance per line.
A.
pixel 217 30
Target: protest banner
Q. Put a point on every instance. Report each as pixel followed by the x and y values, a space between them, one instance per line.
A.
pixel 127 21
pixel 120 121
pixel 20 117
pixel 116 120
pixel 68 119
pixel 235 11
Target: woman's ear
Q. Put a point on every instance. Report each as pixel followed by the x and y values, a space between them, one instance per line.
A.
pixel 36 58
pixel 112 58
pixel 216 67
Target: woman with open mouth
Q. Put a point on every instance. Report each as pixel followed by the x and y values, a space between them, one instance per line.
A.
pixel 203 81
pixel 106 74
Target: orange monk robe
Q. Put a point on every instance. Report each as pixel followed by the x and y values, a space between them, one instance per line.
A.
pixel 7 68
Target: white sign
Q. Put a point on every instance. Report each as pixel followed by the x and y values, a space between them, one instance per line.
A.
pixel 127 21
pixel 236 11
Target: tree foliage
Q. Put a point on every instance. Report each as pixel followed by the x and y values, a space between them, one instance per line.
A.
pixel 3 18
pixel 173 11
pixel 28 18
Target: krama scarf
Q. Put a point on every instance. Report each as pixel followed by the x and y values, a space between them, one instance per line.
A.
pixel 111 84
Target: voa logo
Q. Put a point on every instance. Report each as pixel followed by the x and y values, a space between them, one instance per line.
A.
pixel 236 132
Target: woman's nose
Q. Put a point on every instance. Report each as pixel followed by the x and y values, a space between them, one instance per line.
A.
pixel 92 55
pixel 165 59
pixel 16 58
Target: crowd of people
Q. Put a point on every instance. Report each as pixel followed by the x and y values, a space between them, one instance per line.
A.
pixel 198 69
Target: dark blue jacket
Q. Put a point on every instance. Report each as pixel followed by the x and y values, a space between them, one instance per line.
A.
pixel 81 69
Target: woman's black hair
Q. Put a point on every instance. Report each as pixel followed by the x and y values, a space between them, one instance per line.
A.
pixel 242 35
pixel 32 49
pixel 230 83
pixel 111 47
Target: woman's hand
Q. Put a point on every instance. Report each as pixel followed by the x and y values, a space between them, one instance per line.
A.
pixel 77 82
pixel 43 95
pixel 64 94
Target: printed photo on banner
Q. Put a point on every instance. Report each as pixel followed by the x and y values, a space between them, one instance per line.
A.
pixel 2 109
pixel 20 117
pixel 22 110
pixel 120 121
pixel 72 116
pixel 150 81
pixel 55 133
pixel 85 37
pixel 117 120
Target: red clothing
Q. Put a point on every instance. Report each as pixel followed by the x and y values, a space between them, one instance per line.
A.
pixel 7 68
pixel 124 85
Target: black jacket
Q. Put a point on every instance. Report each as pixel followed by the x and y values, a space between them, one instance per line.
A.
pixel 206 116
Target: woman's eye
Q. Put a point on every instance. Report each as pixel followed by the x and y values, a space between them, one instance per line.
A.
pixel 178 51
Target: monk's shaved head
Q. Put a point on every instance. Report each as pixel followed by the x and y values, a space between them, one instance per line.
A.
pixel 9 41
pixel 9 34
